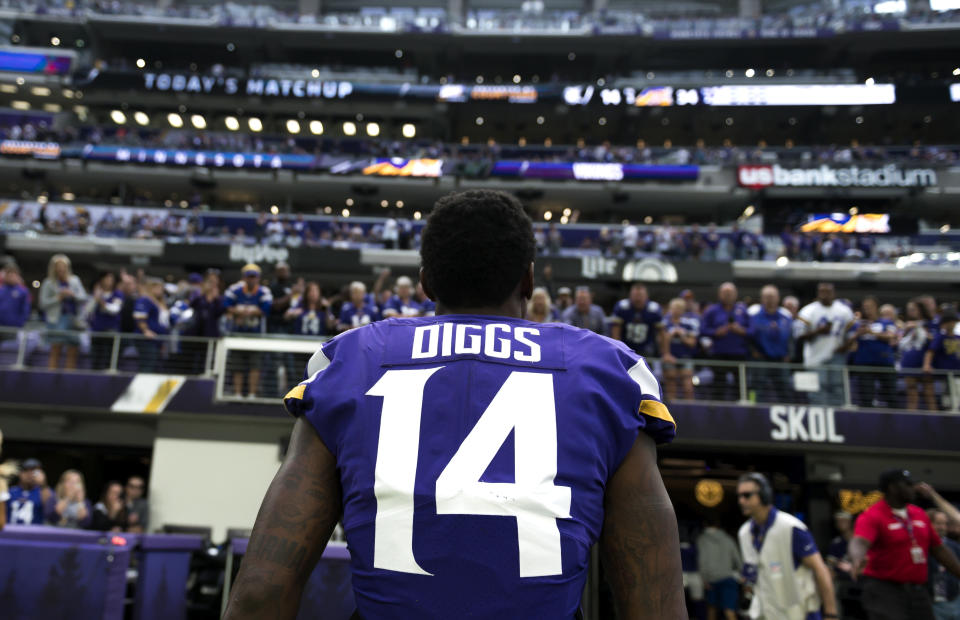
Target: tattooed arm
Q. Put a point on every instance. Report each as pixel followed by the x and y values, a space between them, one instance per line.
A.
pixel 295 522
pixel 640 544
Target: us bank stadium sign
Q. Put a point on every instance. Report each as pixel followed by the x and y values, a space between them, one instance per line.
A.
pixel 758 177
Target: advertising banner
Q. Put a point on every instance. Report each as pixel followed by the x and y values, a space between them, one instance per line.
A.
pixel 214 159
pixel 891 175
pixel 592 171
pixel 40 150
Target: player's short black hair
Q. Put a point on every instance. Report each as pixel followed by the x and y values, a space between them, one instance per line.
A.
pixel 475 248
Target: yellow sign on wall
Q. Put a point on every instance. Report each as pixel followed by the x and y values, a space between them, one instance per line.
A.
pixel 708 492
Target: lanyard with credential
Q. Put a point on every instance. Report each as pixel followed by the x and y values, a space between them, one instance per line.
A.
pixel 916 551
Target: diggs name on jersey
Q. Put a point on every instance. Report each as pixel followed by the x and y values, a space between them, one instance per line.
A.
pixel 494 340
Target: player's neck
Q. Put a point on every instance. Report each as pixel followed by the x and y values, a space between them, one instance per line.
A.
pixel 511 308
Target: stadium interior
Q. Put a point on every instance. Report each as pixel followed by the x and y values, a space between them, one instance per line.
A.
pixel 164 151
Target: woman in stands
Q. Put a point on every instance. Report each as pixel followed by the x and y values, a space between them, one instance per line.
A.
pixel 681 329
pixel 914 342
pixel 61 297
pixel 110 513
pixel 70 506
pixel 539 308
pixel 309 314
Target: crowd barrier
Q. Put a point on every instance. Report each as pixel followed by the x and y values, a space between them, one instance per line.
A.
pixel 281 360
pixel 49 572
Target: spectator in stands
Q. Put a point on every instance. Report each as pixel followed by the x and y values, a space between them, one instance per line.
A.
pixel 770 331
pixel 130 289
pixel 944 587
pixel 358 311
pixel 153 323
pixel 69 506
pixel 915 338
pixel 136 505
pixel 25 506
pixel 539 308
pixel 107 302
pixel 681 330
pixel 719 564
pixel 61 297
pixel 944 351
pixel 873 340
pixel 427 306
pixel 824 321
pixel 207 307
pixel 248 303
pixel 279 364
pixel 14 300
pixel 402 304
pixel 7 470
pixel 110 513
pixel 309 313
pixel 564 299
pixel 281 289
pixel 585 314
pixel 638 322
pixel 725 324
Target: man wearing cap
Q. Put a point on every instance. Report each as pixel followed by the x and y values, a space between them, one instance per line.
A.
pixel 247 303
pixel 25 506
pixel 564 299
pixel 892 541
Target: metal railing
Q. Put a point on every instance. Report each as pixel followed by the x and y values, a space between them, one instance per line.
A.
pixel 263 367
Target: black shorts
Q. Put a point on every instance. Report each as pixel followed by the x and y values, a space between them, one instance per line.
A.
pixel 245 361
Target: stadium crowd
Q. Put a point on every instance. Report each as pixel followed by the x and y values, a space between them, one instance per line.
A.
pixel 121 507
pixel 161 323
pixel 527 16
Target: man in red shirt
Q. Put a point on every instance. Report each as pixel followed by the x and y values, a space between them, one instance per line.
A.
pixel 895 538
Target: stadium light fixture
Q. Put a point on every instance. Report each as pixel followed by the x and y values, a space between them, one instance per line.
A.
pixel 316 128
pixel 141 63
pixel 399 204
pixel 20 105
pixel 345 213
pixel 142 119
pixel 869 81
pixel 118 117
pixel 274 209
pixel 315 73
pixel 541 120
pixel 384 203
pixel 349 202
pixel 479 120
pixel 373 129
pixel 409 130
pixel 945 228
pixel 255 124
pixel 40 91
pixel 516 78
pixel 53 108
pixel 232 123
pixel 548 215
pixel 350 128
pixel 293 126
pixel 749 73
pixel 175 120
pixel 55 41
pixel 417 215
pixel 198 121
pixel 956 71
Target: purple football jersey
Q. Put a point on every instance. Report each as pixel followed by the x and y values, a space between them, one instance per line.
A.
pixel 473 454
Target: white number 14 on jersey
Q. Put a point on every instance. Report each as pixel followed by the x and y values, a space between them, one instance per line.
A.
pixel 524 404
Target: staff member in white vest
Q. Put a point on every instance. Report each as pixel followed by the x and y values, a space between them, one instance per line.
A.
pixel 781 560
